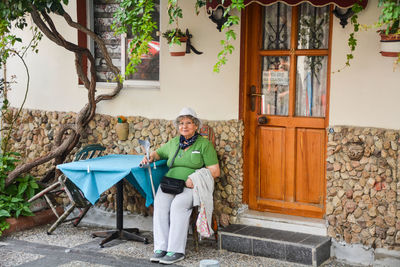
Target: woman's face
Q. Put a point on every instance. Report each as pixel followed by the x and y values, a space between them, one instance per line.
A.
pixel 187 127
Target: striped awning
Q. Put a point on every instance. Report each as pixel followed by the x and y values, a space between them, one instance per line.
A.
pixel 213 4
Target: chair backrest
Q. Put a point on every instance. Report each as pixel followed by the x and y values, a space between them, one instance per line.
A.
pixel 207 132
pixel 87 152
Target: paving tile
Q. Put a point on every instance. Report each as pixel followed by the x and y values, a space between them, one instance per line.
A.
pixel 258 232
pixel 299 254
pixel 323 252
pixel 269 249
pixel 315 240
pixel 236 244
pixel 232 228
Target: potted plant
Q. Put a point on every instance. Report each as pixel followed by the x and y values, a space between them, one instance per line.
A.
pixel 388 23
pixel 122 128
pixel 176 39
pixel 390 35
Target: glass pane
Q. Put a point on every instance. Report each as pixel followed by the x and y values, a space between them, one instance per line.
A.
pixel 149 69
pixel 311 86
pixel 277 27
pixel 313 32
pixel 275 86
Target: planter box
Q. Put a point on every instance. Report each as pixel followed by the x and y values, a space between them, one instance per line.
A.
pixel 24 223
pixel 176 50
pixel 390 45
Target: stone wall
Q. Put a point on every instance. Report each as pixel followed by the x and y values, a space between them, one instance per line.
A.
pixel 363 188
pixel 36 129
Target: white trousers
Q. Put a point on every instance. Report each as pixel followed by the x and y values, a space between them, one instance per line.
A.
pixel 171 220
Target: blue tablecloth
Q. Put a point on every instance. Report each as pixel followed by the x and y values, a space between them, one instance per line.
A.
pixel 94 176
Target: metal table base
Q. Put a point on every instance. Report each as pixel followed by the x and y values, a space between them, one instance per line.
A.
pixel 120 232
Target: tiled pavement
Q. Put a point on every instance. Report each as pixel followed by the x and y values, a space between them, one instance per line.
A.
pixel 70 246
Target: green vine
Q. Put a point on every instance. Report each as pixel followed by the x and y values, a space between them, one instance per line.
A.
pixel 13 198
pixel 135 16
pixel 352 41
pixel 389 19
pixel 230 34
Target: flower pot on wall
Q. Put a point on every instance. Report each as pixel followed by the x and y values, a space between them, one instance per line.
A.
pixel 122 130
pixel 176 50
pixel 390 45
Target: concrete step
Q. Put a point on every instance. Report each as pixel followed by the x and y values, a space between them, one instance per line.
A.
pixel 289 246
pixel 284 222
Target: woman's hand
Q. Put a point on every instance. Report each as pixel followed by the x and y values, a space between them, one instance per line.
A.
pixel 189 183
pixel 152 157
pixel 214 169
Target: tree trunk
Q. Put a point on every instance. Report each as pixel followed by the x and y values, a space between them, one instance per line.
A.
pixel 65 142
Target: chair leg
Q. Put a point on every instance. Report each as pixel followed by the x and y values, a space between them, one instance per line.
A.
pixel 80 216
pixel 53 208
pixel 61 219
pixel 215 226
pixel 44 191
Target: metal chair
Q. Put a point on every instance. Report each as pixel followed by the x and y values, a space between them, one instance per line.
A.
pixel 64 185
pixel 206 132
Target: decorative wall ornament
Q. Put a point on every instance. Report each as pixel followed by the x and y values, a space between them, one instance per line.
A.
pixel 356 151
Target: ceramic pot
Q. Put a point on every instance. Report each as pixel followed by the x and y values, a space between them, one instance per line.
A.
pixel 176 50
pixel 122 130
pixel 390 45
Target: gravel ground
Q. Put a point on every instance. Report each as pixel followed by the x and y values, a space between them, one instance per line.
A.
pixel 73 246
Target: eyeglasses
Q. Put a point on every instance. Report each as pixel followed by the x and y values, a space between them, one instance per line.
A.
pixel 188 123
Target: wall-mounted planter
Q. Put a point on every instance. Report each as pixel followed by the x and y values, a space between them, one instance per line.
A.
pixel 122 130
pixel 390 45
pixel 176 50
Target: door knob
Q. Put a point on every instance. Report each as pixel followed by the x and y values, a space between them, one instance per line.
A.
pixel 262 120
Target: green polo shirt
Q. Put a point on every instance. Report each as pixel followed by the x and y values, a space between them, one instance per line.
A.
pixel 200 154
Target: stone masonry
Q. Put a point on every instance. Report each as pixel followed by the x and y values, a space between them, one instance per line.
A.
pixel 363 188
pixel 36 130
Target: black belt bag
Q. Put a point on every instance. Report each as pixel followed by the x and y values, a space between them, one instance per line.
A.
pixel 171 185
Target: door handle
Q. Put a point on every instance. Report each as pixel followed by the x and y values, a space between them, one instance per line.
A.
pixel 253 96
pixel 262 120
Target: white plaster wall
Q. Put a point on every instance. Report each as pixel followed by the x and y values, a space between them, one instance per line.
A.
pixel 53 79
pixel 367 93
pixel 185 81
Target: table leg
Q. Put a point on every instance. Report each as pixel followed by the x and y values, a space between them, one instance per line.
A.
pixel 120 232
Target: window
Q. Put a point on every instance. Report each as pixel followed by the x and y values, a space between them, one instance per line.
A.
pixel 296 36
pixel 148 72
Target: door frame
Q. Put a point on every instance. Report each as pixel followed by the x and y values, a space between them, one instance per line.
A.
pixel 246 58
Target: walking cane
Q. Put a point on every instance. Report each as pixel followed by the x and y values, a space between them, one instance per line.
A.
pixel 146 145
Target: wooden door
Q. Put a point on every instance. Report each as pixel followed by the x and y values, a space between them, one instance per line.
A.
pixel 285 78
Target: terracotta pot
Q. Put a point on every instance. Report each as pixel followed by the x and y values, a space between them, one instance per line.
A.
pixel 176 50
pixel 122 130
pixel 390 45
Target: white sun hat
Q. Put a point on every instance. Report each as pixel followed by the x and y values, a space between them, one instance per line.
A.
pixel 186 111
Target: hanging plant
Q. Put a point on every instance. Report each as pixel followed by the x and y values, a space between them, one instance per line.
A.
pixel 230 34
pixel 388 21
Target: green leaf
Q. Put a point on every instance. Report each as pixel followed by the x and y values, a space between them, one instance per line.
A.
pixel 4 213
pixel 22 187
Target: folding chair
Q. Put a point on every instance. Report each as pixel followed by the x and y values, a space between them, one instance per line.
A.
pixel 64 185
pixel 206 132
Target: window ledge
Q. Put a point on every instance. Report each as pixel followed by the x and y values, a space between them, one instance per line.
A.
pixel 128 85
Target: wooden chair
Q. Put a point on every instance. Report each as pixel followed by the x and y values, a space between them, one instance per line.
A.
pixel 206 132
pixel 64 185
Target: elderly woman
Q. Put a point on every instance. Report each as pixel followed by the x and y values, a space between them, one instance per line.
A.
pixel 187 153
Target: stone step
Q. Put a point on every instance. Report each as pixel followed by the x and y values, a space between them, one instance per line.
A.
pixel 284 222
pixel 289 246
